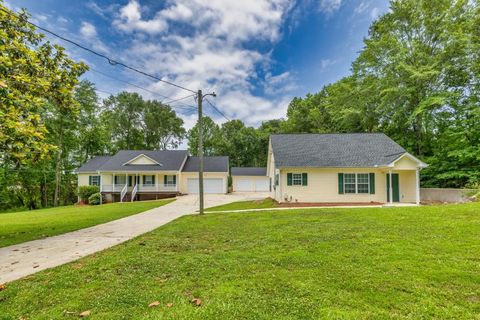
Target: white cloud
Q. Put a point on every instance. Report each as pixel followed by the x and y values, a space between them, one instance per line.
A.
pixel 87 30
pixel 213 54
pixel 374 13
pixel 89 33
pixel 330 6
pixel 130 19
pixel 326 63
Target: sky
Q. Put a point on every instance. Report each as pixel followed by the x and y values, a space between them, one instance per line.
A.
pixel 256 55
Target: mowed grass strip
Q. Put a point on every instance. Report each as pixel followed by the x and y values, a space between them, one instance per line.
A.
pixel 373 263
pixel 246 205
pixel 18 227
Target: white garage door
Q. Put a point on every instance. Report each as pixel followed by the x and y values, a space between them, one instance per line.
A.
pixel 209 185
pixel 252 185
pixel 262 185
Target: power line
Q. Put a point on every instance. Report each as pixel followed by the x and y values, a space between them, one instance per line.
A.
pixel 216 109
pixel 110 60
pixel 176 100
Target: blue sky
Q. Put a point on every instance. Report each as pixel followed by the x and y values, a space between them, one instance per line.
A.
pixel 255 54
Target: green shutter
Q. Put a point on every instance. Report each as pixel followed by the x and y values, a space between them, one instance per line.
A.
pixel 89 180
pixel 372 182
pixel 175 180
pixel 340 183
pixel 304 179
pixel 153 179
pixel 143 178
pixel 289 179
pixel 164 180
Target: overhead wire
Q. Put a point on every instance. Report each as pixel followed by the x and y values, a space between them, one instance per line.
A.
pixel 110 60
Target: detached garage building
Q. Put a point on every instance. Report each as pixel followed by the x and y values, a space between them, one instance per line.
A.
pixel 215 176
pixel 250 179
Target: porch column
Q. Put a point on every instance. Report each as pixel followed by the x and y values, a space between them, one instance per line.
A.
pixel 101 185
pixel 390 191
pixel 417 187
pixel 113 183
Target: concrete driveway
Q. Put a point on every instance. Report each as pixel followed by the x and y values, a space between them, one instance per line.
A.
pixel 23 259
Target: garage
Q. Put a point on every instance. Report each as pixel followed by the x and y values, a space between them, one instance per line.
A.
pixel 250 179
pixel 209 185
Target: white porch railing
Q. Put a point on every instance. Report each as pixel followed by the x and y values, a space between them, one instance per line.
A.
pixel 134 191
pixel 140 188
pixel 123 192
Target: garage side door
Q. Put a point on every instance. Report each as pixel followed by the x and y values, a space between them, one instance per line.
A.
pixel 209 185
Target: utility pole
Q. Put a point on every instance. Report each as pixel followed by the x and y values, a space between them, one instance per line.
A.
pixel 200 97
pixel 200 149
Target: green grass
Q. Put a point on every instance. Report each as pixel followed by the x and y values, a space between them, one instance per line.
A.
pixel 18 227
pixel 371 263
pixel 246 205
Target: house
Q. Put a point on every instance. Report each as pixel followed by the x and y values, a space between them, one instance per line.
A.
pixel 147 175
pixel 250 179
pixel 342 168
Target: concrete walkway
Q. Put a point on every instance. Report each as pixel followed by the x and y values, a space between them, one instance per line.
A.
pixel 23 259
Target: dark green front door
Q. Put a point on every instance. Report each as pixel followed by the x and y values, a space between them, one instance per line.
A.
pixel 396 189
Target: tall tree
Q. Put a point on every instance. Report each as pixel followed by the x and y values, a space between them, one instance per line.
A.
pixel 211 137
pixel 163 129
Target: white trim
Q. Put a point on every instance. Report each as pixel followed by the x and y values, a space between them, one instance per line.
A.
pixel 356 182
pixel 183 163
pixel 417 187
pixel 141 155
pixel 420 163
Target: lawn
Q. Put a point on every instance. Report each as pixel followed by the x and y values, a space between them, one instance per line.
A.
pixel 370 263
pixel 18 227
pixel 246 205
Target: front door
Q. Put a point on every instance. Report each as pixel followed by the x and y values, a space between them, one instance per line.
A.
pixel 395 187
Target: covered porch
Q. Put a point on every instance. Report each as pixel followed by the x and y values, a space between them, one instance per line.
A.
pixel 402 181
pixel 126 186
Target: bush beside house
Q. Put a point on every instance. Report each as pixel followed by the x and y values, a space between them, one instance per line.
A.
pixel 85 192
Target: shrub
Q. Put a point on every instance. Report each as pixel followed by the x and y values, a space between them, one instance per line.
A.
pixel 94 199
pixel 84 192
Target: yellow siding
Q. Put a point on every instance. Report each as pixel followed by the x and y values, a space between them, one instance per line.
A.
pixel 83 179
pixel 323 186
pixel 107 179
pixel 184 176
pixel 142 160
pixel 405 163
pixel 407 185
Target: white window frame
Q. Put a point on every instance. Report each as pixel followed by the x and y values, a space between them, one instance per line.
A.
pixel 356 183
pixel 170 182
pixel 297 177
pixel 145 182
pixel 363 183
pixel 97 182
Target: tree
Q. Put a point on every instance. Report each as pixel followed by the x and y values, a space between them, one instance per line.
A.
pixel 124 113
pixel 34 73
pixel 162 127
pixel 211 136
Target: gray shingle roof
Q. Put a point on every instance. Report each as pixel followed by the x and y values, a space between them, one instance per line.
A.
pixel 170 160
pixel 211 164
pixel 334 150
pixel 93 164
pixel 249 171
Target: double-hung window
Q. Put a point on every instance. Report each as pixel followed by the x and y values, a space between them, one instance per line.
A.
pixel 149 180
pixel 297 179
pixel 170 181
pixel 94 180
pixel 362 183
pixel 356 183
pixel 120 179
pixel 350 183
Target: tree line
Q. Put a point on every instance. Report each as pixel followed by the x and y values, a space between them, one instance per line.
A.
pixel 416 79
